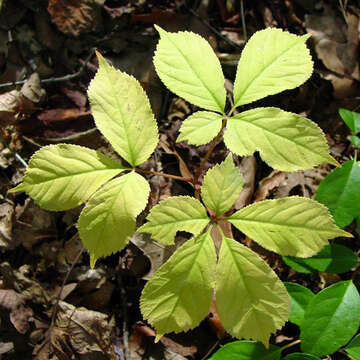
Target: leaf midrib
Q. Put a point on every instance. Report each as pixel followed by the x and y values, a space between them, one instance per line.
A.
pixel 73 175
pixel 191 67
pixel 254 79
pixel 329 322
pixel 292 141
pixel 278 224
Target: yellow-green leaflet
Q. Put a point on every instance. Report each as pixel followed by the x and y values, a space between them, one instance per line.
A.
pixel 286 141
pixel 272 61
pixel 61 177
pixel 222 186
pixel 200 128
pixel 292 226
pixel 176 213
pixel 251 300
pixel 108 220
pixel 179 294
pixel 188 66
pixel 122 113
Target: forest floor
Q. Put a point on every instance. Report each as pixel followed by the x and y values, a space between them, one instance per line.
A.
pixel 52 305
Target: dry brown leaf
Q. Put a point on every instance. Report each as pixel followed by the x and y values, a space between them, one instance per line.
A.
pixel 89 331
pixel 336 44
pixel 20 314
pixel 26 100
pixel 75 17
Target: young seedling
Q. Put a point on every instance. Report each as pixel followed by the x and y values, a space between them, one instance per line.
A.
pixel 251 300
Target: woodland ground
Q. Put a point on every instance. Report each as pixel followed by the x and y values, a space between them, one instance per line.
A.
pixel 52 305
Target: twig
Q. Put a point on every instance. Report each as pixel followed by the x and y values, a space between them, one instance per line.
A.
pixel 16 155
pixel 212 348
pixel 163 175
pixel 55 309
pixel 243 24
pixel 55 79
pixel 221 36
pixel 291 344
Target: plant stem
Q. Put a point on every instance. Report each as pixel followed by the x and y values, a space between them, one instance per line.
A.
pixel 209 152
pixel 189 180
pixel 291 344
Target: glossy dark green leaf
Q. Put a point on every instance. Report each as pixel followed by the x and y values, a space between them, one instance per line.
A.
pixel 301 356
pixel 247 350
pixel 353 348
pixel 331 319
pixel 300 296
pixel 355 140
pixel 332 259
pixel 351 119
pixel 339 191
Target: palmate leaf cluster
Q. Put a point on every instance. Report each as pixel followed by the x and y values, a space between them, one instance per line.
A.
pixel 251 301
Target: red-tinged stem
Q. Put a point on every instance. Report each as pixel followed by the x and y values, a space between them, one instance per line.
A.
pixel 206 158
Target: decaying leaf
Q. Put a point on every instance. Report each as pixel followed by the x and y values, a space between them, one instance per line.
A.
pixel 75 17
pixel 25 100
pixel 89 331
pixel 20 314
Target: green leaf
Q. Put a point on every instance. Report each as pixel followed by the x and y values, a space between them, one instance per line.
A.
pixel 353 348
pixel 179 294
pixel 355 141
pixel 301 356
pixel 108 220
pixel 251 300
pixel 61 177
pixel 300 296
pixel 122 113
pixel 351 119
pixel 188 66
pixel 331 319
pixel 247 350
pixel 292 226
pixel 332 259
pixel 176 213
pixel 200 128
pixel 286 141
pixel 222 186
pixel 272 61
pixel 339 191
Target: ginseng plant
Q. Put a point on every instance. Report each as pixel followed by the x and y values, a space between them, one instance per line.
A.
pixel 251 300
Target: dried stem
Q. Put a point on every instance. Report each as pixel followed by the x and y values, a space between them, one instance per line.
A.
pixel 55 309
pixel 55 79
pixel 291 344
pixel 189 180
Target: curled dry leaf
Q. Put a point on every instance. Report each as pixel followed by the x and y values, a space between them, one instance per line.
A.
pixel 26 100
pixel 20 314
pixel 90 331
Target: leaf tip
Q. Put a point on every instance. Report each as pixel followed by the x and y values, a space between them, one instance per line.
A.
pixel 306 36
pixel 347 234
pixel 159 29
pixel 19 188
pixel 158 337
pixel 93 260
pixel 333 161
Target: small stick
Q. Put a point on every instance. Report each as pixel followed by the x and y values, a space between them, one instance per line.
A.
pixel 55 309
pixel 163 175
pixel 55 79
pixel 291 344
pixel 214 30
pixel 243 19
pixel 16 155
